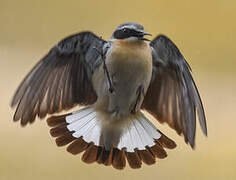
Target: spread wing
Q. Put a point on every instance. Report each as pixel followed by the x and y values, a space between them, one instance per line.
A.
pixel 172 96
pixel 60 80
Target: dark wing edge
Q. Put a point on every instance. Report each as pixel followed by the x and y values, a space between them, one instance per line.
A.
pixel 60 80
pixel 172 96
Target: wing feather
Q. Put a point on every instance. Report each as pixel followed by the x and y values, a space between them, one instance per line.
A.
pixel 60 80
pixel 172 96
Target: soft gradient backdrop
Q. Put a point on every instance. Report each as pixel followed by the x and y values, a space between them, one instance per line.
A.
pixel 203 30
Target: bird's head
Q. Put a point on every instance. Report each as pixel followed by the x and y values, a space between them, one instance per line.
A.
pixel 130 31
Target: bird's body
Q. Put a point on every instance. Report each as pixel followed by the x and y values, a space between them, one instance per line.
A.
pixel 125 60
pixel 115 80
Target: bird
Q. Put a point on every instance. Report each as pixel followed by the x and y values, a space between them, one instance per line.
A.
pixel 114 83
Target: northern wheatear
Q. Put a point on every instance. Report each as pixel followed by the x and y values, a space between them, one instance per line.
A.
pixel 114 80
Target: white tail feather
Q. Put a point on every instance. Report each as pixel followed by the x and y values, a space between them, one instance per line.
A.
pixel 85 123
pixel 137 133
pixel 79 114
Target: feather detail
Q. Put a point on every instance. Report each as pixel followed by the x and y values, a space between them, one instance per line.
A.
pixel 134 160
pixel 140 141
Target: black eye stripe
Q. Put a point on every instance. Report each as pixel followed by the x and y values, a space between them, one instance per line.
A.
pixel 125 33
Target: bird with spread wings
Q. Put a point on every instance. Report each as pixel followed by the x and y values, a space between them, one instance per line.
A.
pixel 81 69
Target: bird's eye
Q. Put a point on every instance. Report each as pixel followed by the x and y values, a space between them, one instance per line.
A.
pixel 124 30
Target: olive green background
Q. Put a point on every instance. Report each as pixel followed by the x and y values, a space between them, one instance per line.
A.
pixel 203 30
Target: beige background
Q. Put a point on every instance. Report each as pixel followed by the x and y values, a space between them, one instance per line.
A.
pixel 203 30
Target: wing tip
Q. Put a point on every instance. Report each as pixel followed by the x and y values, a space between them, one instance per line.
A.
pixel 204 130
pixel 192 144
pixel 203 124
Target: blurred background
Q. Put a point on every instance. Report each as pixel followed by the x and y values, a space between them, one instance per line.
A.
pixel 203 30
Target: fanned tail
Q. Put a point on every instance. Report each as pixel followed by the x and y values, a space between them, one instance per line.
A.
pixel 82 130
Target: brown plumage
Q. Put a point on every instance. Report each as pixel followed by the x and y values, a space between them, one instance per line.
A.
pixel 77 146
pixel 90 154
pixel 65 139
pixel 158 151
pixel 146 157
pixel 133 159
pixel 56 120
pixel 105 157
pixel 59 130
pixel 166 142
pixel 118 161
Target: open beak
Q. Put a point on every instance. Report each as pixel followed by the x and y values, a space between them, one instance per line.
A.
pixel 146 34
pixel 143 33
